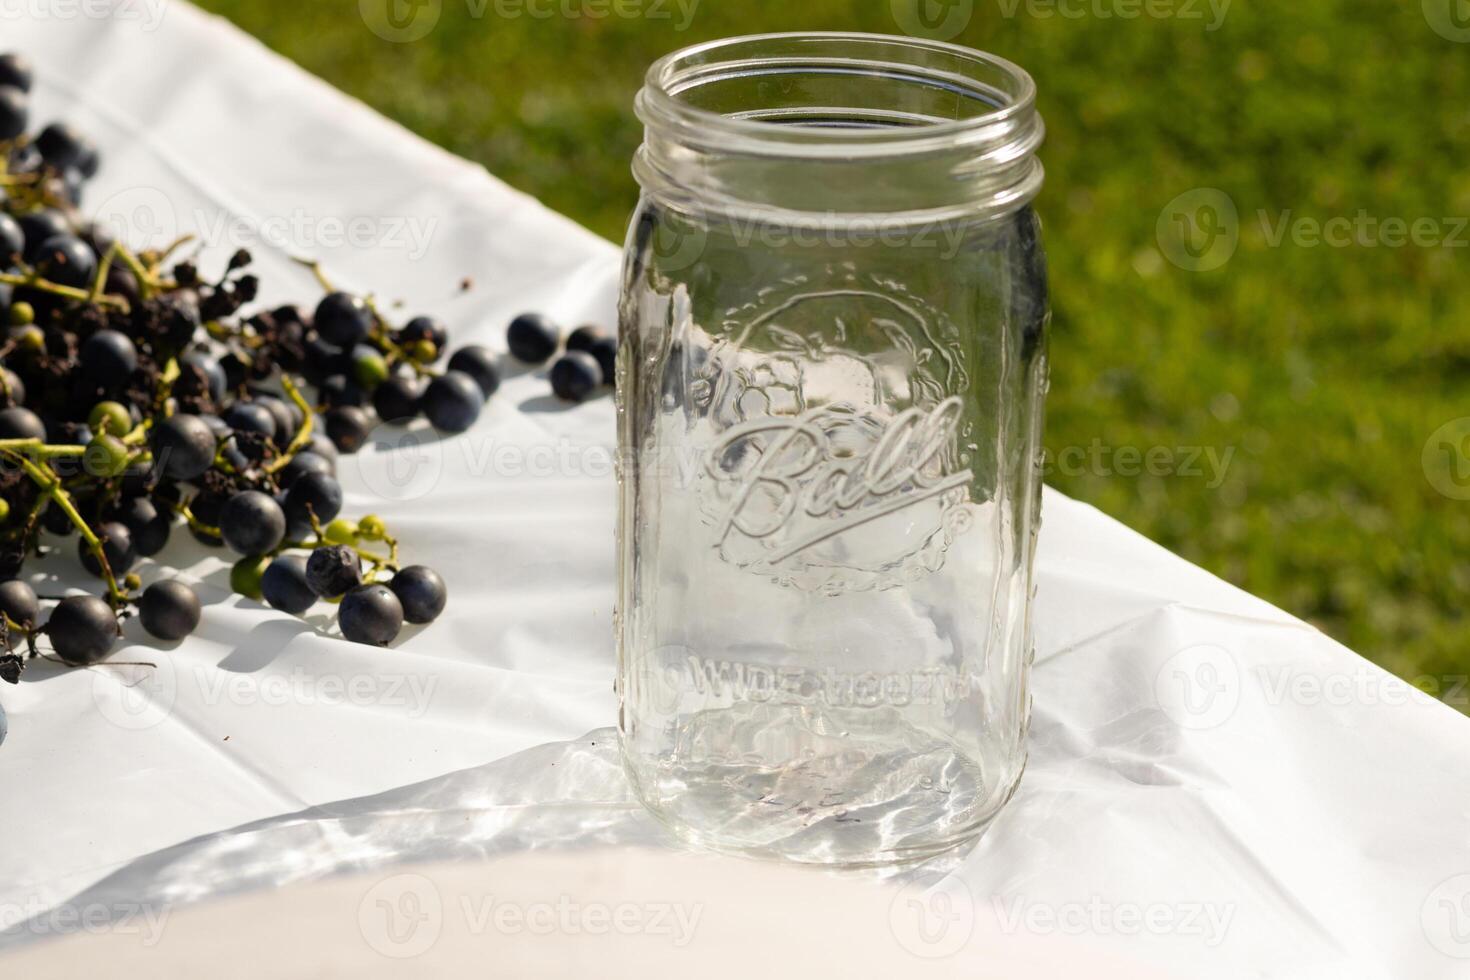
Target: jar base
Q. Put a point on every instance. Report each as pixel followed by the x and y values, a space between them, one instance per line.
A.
pixel 864 792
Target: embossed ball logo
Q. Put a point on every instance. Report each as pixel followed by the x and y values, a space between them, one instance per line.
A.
pixel 837 465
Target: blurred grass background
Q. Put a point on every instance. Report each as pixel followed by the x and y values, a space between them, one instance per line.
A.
pixel 1324 370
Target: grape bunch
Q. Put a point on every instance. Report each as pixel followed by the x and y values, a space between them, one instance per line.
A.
pixel 139 396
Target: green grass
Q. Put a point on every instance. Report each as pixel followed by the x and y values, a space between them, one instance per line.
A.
pixel 1324 369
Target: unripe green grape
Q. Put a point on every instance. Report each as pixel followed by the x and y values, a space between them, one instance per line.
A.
pixel 106 456
pixel 341 531
pixel 245 576
pixel 110 418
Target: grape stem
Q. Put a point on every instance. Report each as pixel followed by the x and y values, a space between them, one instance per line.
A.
pixel 303 435
pixel 316 270
pixel 52 489
pixel 195 523
pixel 33 280
pixel 167 253
pixel 99 282
pixel 39 448
pixel 147 282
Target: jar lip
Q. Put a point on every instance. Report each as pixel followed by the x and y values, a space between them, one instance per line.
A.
pixel 660 104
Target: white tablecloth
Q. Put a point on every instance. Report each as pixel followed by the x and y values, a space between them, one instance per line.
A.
pixel 1214 786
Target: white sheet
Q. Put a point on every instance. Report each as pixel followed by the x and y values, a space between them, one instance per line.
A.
pixel 1185 771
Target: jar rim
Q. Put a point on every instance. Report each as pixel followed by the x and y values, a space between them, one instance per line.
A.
pixel 1010 129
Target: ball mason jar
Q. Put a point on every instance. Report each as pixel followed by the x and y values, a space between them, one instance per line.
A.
pixel 831 376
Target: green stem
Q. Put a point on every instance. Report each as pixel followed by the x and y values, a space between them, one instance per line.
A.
pixel 34 281
pixel 182 509
pixel 51 487
pixel 40 449
pixel 139 435
pixel 99 283
pixel 302 437
pixel 147 282
pixel 166 379
pixel 316 270
pixel 173 247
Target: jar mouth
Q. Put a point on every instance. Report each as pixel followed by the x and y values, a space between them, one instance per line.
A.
pixel 842 95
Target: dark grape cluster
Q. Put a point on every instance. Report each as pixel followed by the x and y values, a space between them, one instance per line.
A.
pixel 139 395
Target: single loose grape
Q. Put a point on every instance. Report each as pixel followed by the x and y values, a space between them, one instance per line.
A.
pixel 82 629
pixel 15 112
pixel 16 70
pixel 19 603
pixel 424 329
pixel 287 416
pixel 252 523
pixel 533 338
pixel 582 338
pixel 169 610
pixel 248 574
pixel 117 546
pixel 371 614
pixel 369 368
pixel 284 585
pixel 108 356
pixel 316 495
pixel 183 445
pixel 343 319
pixel 480 364
pixel 398 398
pixel 39 227
pixel 21 423
pixel 605 351
pixel 61 145
pixel 110 418
pixel 576 376
pixel 422 593
pixel 341 531
pixel 453 402
pixel 332 570
pixel 250 417
pixel 105 457
pixel 348 427
pixel 150 527
pixel 303 463
pixel 372 528
pixel 69 261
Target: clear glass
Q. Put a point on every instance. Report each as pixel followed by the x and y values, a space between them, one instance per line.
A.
pixel 831 378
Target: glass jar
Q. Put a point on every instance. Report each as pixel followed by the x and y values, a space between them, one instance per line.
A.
pixel 831 377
